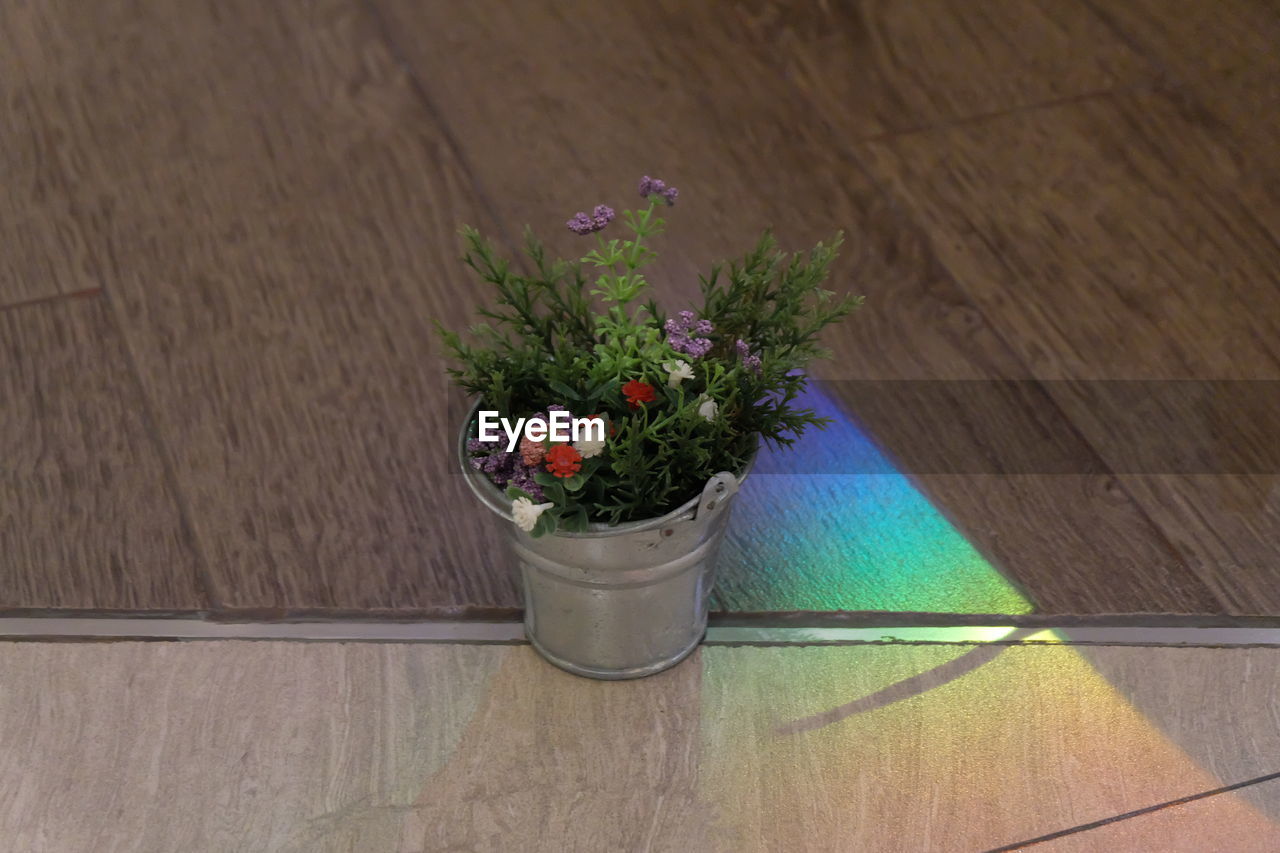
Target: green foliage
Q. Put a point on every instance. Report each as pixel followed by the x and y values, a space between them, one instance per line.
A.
pixel 573 333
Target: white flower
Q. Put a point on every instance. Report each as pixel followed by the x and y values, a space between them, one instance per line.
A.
pixel 708 407
pixel 526 512
pixel 677 372
pixel 589 447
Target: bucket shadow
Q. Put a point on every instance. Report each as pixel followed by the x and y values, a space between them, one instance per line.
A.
pixel 916 685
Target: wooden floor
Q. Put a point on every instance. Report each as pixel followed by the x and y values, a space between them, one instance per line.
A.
pixel 226 229
pixel 311 747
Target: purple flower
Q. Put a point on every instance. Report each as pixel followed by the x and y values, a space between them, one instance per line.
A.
pixel 656 186
pixel 554 408
pixel 749 360
pixel 582 225
pixel 601 216
pixel 522 479
pixel 679 337
pixel 499 466
pixel 507 469
pixel 696 347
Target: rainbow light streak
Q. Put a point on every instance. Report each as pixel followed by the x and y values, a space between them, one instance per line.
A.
pixel 852 541
pixel 1033 740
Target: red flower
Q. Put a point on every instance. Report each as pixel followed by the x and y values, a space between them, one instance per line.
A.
pixel 563 460
pixel 638 392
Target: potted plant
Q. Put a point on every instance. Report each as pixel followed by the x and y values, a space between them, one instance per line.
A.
pixel 612 437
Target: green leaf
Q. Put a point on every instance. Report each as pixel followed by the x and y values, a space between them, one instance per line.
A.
pixel 546 524
pixel 513 493
pixel 564 390
pixel 551 487
pixel 575 521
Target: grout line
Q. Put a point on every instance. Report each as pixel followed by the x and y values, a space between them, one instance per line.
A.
pixel 998 635
pixel 199 629
pixel 912 619
pixel 56 297
pixel 872 620
pixel 1085 827
pixel 91 628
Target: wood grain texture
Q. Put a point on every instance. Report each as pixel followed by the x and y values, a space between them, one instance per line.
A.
pixel 1249 105
pixel 879 66
pixel 1199 36
pixel 1223 822
pixel 46 248
pixel 271 194
pixel 88 518
pixel 1222 57
pixel 208 747
pixel 1128 261
pixel 276 213
pixel 1132 260
pixel 315 747
pixel 754 157
pixel 1032 739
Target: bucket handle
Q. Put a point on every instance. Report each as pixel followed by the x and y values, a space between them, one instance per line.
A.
pixel 716 493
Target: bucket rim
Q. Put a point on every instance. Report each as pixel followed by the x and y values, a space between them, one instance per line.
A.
pixel 494 498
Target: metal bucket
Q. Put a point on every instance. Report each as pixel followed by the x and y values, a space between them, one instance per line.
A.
pixel 621 601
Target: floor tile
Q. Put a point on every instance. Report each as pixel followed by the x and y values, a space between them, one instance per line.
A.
pixel 270 197
pixel 276 219
pixel 88 518
pixel 327 746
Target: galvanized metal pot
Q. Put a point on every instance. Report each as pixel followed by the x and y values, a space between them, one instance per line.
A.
pixel 621 601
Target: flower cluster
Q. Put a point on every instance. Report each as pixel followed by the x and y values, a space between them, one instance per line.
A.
pixel 656 186
pixel 677 399
pixel 519 468
pixel 681 330
pixel 582 224
pixel 505 470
